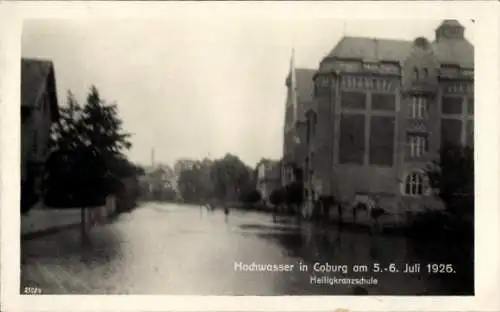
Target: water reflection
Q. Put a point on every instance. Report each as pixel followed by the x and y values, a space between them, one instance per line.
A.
pixel 171 250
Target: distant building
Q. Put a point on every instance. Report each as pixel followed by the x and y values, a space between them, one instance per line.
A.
pixel 268 178
pixel 39 110
pixel 381 111
pixel 159 182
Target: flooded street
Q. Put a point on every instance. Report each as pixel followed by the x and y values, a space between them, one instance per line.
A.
pixel 173 249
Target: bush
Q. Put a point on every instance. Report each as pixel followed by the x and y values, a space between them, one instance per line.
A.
pixel 252 197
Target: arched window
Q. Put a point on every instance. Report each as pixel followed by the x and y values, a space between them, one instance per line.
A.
pixel 416 184
pixel 415 74
pixel 426 73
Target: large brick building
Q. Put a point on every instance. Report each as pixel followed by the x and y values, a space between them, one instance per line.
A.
pixel 380 112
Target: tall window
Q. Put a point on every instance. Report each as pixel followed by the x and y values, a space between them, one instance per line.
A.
pixel 451 131
pixel 382 140
pixel 426 73
pixel 470 106
pixel 352 139
pixel 353 100
pixel 418 144
pixel 415 74
pixel 470 133
pixel 451 105
pixel 415 184
pixel 383 102
pixel 418 107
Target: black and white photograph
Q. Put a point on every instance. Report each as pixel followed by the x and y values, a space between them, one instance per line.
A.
pixel 236 152
pixel 221 159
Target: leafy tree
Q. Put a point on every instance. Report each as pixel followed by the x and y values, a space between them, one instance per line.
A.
pixel 189 184
pixel 452 175
pixel 88 161
pixel 231 177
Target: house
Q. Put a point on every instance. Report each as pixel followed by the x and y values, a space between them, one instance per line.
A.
pixel 381 111
pixel 39 110
pixel 268 178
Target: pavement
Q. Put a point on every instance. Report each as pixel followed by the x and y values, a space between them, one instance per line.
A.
pixel 188 250
pixel 39 222
pixel 42 221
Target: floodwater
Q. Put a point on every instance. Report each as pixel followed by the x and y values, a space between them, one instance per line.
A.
pixel 176 249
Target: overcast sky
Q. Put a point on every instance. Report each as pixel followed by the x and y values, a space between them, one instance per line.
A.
pixel 197 88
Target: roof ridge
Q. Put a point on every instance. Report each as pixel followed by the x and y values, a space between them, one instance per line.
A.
pixel 39 60
pixel 375 38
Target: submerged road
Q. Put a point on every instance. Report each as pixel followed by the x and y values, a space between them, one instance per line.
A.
pixel 174 249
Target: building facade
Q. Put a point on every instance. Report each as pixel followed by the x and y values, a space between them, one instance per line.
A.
pixel 39 110
pixel 268 178
pixel 381 111
pixel 300 96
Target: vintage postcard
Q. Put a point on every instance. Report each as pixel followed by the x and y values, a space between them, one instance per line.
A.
pixel 343 155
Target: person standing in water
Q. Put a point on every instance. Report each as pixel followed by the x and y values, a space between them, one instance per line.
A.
pixel 226 212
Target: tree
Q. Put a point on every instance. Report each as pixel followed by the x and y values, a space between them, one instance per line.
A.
pixel 231 178
pixel 87 162
pixel 452 175
pixel 189 183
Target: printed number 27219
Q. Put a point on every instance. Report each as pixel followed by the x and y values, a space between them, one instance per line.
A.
pixel 32 291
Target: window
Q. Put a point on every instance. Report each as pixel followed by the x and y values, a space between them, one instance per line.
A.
pixel 382 140
pixel 426 73
pixel 418 107
pixel 470 106
pixel 418 144
pixel 353 100
pixel 415 184
pixel 415 74
pixel 470 133
pixel 352 139
pixel 451 105
pixel 383 102
pixel 451 131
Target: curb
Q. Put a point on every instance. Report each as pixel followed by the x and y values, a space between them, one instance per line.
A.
pixel 49 231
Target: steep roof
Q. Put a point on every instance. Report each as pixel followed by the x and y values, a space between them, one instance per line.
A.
pixel 371 49
pixel 451 22
pixel 454 52
pixel 448 50
pixel 305 89
pixel 305 84
pixel 35 75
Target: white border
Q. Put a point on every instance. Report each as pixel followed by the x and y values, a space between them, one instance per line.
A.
pixel 487 171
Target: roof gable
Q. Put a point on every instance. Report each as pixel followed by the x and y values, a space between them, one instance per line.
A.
pixel 36 75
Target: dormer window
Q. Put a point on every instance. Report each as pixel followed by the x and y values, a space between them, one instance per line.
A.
pixel 415 74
